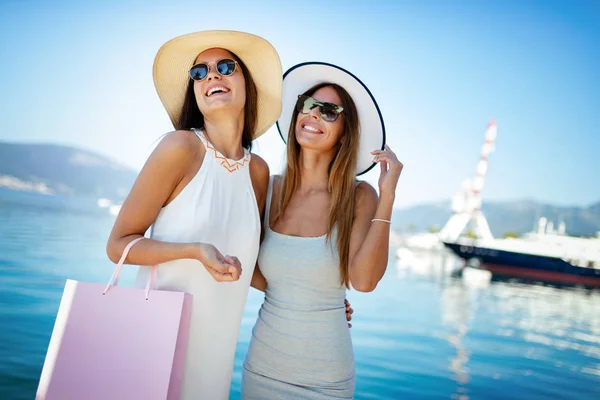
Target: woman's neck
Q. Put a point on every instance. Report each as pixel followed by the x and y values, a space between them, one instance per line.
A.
pixel 225 134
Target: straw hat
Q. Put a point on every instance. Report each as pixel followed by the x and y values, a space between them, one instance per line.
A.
pixel 175 58
pixel 302 77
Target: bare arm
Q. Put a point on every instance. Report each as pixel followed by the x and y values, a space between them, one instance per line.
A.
pixel 259 172
pixel 258 280
pixel 157 184
pixel 369 241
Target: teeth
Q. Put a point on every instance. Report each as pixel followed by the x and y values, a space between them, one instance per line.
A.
pixel 310 128
pixel 217 89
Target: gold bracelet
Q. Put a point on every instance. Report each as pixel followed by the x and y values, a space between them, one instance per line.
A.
pixel 382 220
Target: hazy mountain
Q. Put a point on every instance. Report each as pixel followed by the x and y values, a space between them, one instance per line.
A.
pixel 49 168
pixel 58 169
pixel 509 216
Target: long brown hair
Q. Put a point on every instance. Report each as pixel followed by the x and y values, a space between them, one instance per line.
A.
pixel 191 117
pixel 342 171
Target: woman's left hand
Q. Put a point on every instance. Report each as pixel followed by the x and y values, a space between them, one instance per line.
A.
pixel 349 312
pixel 390 169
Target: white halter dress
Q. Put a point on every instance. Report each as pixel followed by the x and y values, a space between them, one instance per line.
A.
pixel 219 207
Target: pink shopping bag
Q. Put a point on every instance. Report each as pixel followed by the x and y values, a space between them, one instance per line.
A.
pixel 112 342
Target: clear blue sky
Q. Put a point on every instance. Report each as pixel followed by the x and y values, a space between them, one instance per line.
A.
pixel 81 75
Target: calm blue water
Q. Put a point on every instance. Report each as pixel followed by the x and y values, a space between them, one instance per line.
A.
pixel 420 335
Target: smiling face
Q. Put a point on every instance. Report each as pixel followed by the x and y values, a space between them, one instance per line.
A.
pixel 217 93
pixel 315 133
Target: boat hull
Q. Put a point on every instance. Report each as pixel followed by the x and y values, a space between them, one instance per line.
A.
pixel 535 267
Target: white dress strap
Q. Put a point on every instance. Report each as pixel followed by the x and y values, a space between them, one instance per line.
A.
pixel 268 203
pixel 201 136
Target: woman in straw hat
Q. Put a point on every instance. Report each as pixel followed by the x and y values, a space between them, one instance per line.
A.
pixel 201 190
pixel 324 231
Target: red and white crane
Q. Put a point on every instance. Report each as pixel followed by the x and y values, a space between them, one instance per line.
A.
pixel 466 204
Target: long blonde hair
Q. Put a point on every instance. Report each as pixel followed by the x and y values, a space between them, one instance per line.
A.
pixel 342 171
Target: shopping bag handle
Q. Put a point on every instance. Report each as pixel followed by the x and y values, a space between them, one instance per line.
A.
pixel 114 279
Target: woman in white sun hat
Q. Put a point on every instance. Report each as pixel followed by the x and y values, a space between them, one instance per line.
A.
pixel 323 231
pixel 203 192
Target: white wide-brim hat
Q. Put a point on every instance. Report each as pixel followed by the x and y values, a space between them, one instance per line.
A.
pixel 302 77
pixel 175 58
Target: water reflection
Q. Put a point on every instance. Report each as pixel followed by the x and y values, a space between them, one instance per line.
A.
pixel 561 318
pixel 456 315
pixel 422 334
pixel 525 331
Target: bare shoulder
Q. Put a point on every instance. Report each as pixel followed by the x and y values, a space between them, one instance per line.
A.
pixel 258 166
pixel 366 200
pixel 181 143
pixel 365 195
pixel 259 174
pixel 177 149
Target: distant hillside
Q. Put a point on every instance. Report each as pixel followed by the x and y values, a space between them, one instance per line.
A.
pixel 511 216
pixel 58 169
pixel 66 170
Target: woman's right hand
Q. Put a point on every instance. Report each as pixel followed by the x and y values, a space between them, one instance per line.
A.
pixel 221 268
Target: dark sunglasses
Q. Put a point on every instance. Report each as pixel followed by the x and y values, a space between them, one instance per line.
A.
pixel 225 67
pixel 329 111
